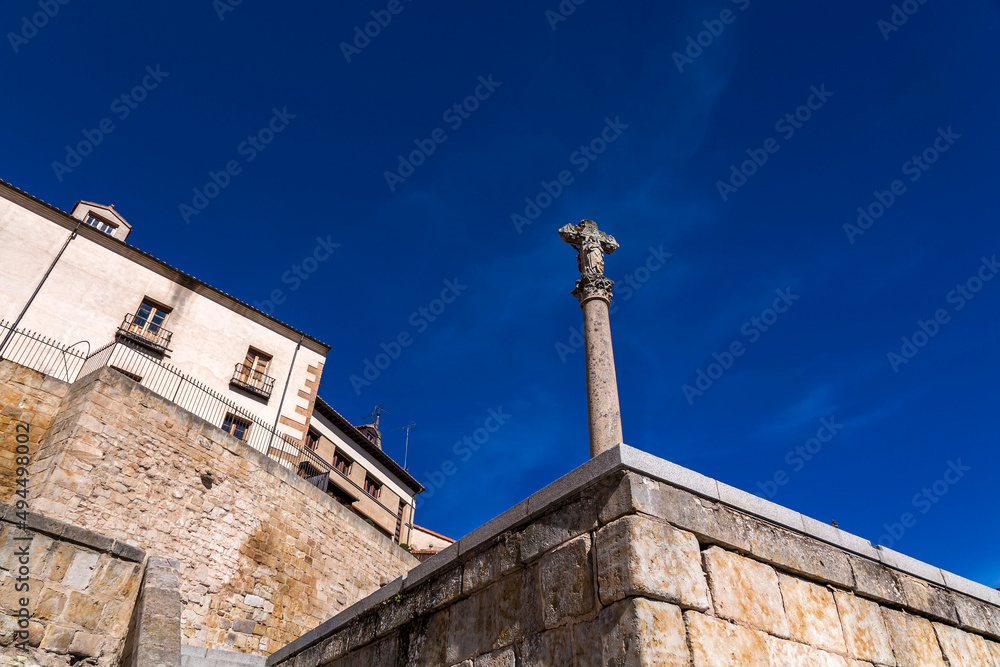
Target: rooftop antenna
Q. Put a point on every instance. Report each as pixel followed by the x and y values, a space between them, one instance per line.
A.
pixel 376 414
pixel 407 447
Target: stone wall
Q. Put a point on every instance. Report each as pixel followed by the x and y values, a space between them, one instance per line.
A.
pixel 26 397
pixel 154 636
pixel 264 556
pixel 615 565
pixel 77 588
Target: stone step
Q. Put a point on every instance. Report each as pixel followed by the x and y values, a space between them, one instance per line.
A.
pixel 199 656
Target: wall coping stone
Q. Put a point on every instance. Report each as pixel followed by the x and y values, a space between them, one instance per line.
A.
pixel 624 457
pixel 67 532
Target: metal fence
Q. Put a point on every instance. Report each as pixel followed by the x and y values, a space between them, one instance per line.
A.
pixel 68 363
pixel 30 349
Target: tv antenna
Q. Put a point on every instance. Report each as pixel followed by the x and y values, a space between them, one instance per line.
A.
pixel 374 416
pixel 406 450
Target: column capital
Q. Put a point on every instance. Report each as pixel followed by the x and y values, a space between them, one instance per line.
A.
pixel 593 287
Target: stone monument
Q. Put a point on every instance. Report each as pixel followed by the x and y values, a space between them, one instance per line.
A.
pixel 593 290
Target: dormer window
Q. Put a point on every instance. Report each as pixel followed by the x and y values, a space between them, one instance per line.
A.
pixel 101 225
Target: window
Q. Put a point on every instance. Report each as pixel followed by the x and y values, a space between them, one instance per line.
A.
pixel 312 440
pixel 236 426
pixel 102 225
pixel 342 463
pixel 149 319
pixel 372 488
pixel 255 368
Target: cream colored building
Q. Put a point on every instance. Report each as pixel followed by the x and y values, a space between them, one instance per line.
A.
pixel 74 279
pixel 424 542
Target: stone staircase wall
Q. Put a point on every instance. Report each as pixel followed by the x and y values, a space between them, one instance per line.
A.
pixel 633 561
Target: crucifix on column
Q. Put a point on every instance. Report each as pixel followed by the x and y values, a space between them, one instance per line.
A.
pixel 593 290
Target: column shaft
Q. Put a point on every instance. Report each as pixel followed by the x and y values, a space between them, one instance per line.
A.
pixel 603 411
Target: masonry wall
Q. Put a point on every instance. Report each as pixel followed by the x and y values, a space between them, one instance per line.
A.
pixel 26 398
pixel 264 556
pixel 634 571
pixel 80 589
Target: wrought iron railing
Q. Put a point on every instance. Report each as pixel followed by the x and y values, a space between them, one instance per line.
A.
pixel 143 331
pixel 42 354
pixel 252 380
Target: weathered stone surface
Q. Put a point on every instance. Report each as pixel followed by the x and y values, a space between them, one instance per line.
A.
pixel 393 614
pixel 567 580
pixel 439 592
pixel 812 614
pixel 548 649
pixel 977 616
pixel 427 640
pixel 864 629
pixel 913 640
pixel 874 580
pixel 488 566
pixel 790 654
pixel 710 521
pixel 746 591
pixel 502 658
pixel 800 555
pixel 86 645
pixel 81 570
pixel 633 633
pixel 472 625
pixel 83 610
pixel 561 525
pixel 929 600
pixel 638 555
pixel 57 638
pixel 961 648
pixel 519 607
pixel 716 643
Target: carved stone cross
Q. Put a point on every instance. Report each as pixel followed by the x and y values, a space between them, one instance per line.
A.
pixel 593 290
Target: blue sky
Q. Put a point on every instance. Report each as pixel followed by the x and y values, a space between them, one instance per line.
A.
pixel 705 166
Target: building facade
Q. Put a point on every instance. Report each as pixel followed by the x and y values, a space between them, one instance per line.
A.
pixel 76 297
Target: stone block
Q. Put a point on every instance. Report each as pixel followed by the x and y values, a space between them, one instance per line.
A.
pixel 960 648
pixel 502 658
pixel 83 610
pixel 812 614
pixel 864 629
pixel 874 580
pixel 799 555
pixel 567 581
pixel 488 566
pixel 428 640
pixel 519 607
pixel 437 593
pixel 548 649
pixel 362 630
pixel 393 614
pixel 555 528
pixel 710 521
pixel 57 639
pixel 716 643
pixel 638 555
pixel 382 653
pixel 928 600
pixel 671 473
pixel 746 591
pixel 977 616
pixel 86 645
pixel 791 654
pixel 633 633
pixel 913 640
pixel 333 647
pixel 472 625
pixel 50 606
pixel 243 625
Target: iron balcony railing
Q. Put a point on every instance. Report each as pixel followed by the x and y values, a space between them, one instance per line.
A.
pixel 41 354
pixel 253 381
pixel 146 333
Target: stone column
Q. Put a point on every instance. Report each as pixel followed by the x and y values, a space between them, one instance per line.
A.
pixel 593 290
